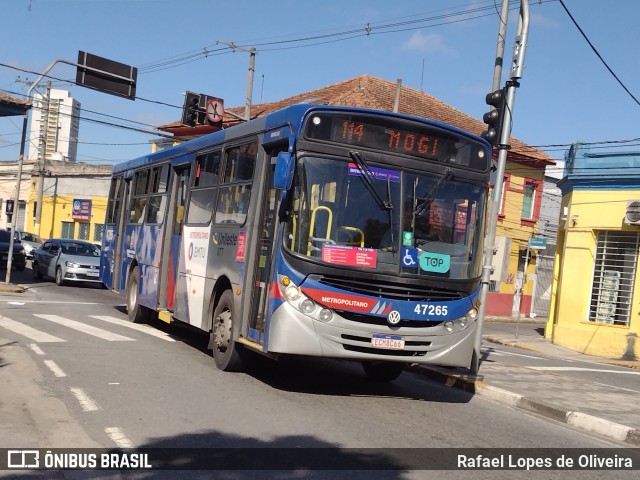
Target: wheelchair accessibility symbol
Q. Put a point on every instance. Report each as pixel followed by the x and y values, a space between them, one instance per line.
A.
pixel 409 257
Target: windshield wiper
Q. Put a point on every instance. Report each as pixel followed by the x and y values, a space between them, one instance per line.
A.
pixel 429 197
pixel 366 177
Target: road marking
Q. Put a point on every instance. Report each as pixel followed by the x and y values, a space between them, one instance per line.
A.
pixel 582 369
pixel 36 348
pixel 84 328
pixel 118 437
pixel 135 326
pixel 27 331
pixel 57 371
pixel 86 402
pixel 502 352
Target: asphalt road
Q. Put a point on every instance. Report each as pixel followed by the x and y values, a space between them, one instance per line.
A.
pixel 156 385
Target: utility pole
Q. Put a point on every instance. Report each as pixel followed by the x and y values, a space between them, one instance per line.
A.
pixel 252 62
pixel 517 67
pixel 41 164
pixel 14 218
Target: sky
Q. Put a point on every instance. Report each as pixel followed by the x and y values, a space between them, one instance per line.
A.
pixel 445 48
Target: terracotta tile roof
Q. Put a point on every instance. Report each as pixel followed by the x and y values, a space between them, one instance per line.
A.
pixel 367 91
pixel 12 106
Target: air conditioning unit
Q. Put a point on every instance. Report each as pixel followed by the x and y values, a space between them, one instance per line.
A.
pixel 632 213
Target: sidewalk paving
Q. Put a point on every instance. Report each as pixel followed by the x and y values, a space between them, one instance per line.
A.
pixel 583 403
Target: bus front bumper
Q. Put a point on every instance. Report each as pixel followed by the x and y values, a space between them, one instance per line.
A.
pixel 292 332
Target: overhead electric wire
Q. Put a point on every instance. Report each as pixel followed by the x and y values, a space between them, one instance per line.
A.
pixel 598 53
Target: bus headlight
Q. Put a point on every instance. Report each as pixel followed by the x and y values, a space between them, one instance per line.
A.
pixel 292 293
pixel 298 300
pixel 325 315
pixel 448 326
pixel 307 306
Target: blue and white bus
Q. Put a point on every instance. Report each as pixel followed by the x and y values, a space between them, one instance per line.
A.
pixel 314 230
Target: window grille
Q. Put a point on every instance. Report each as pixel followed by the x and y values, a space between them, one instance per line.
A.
pixel 83 230
pixel 613 277
pixel 97 232
pixel 67 230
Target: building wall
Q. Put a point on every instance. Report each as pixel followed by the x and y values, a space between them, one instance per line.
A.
pixel 58 209
pixel 589 211
pixel 514 293
pixel 8 182
pixel 596 188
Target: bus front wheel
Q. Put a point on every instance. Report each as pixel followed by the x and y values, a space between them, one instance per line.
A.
pixel 137 313
pixel 225 349
pixel 382 371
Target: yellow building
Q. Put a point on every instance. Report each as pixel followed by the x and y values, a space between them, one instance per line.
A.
pixel 513 281
pixel 595 304
pixel 74 201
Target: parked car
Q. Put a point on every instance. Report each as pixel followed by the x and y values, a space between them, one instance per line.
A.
pixel 67 260
pixel 19 259
pixel 30 241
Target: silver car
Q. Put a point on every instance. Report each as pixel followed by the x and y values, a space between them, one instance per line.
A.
pixel 67 260
pixel 30 241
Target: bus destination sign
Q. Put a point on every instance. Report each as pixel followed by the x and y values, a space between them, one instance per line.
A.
pixel 387 135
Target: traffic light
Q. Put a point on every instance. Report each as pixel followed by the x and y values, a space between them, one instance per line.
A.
pixel 495 118
pixel 191 109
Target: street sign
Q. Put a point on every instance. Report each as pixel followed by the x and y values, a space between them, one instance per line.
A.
pixel 538 243
pixel 214 109
pixel 106 75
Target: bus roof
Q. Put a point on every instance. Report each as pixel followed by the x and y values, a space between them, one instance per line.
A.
pixel 292 116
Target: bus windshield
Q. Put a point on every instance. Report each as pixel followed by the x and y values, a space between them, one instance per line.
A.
pixel 348 213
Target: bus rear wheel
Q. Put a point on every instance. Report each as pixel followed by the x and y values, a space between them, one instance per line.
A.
pixel 226 352
pixel 382 371
pixel 137 313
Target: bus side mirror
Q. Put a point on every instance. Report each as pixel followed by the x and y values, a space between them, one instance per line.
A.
pixel 284 171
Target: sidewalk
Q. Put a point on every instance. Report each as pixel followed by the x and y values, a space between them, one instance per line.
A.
pixel 584 403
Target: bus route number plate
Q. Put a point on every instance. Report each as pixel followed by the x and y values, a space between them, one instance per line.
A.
pixel 390 342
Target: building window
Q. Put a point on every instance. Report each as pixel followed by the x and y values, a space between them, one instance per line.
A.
pixel 613 277
pixel 83 230
pixel 67 230
pixel 97 232
pixel 528 200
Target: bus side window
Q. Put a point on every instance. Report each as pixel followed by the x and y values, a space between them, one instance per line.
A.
pixel 139 199
pixel 235 192
pixel 204 187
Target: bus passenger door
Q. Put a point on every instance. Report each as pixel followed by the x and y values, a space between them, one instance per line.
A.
pixel 264 255
pixel 173 236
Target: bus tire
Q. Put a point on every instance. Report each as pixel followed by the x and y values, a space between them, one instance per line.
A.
pixel 382 371
pixel 226 352
pixel 137 313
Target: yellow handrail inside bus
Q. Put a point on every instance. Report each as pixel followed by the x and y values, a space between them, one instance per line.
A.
pixel 352 240
pixel 313 223
pixel 293 232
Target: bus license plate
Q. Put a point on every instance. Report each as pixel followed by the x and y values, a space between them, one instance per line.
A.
pixel 390 342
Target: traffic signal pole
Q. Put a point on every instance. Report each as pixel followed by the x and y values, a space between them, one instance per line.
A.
pixel 517 66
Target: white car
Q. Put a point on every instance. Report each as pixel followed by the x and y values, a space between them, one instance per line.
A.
pixel 30 241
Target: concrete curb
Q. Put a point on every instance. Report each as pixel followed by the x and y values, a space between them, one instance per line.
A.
pixel 510 343
pixel 4 288
pixel 475 385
